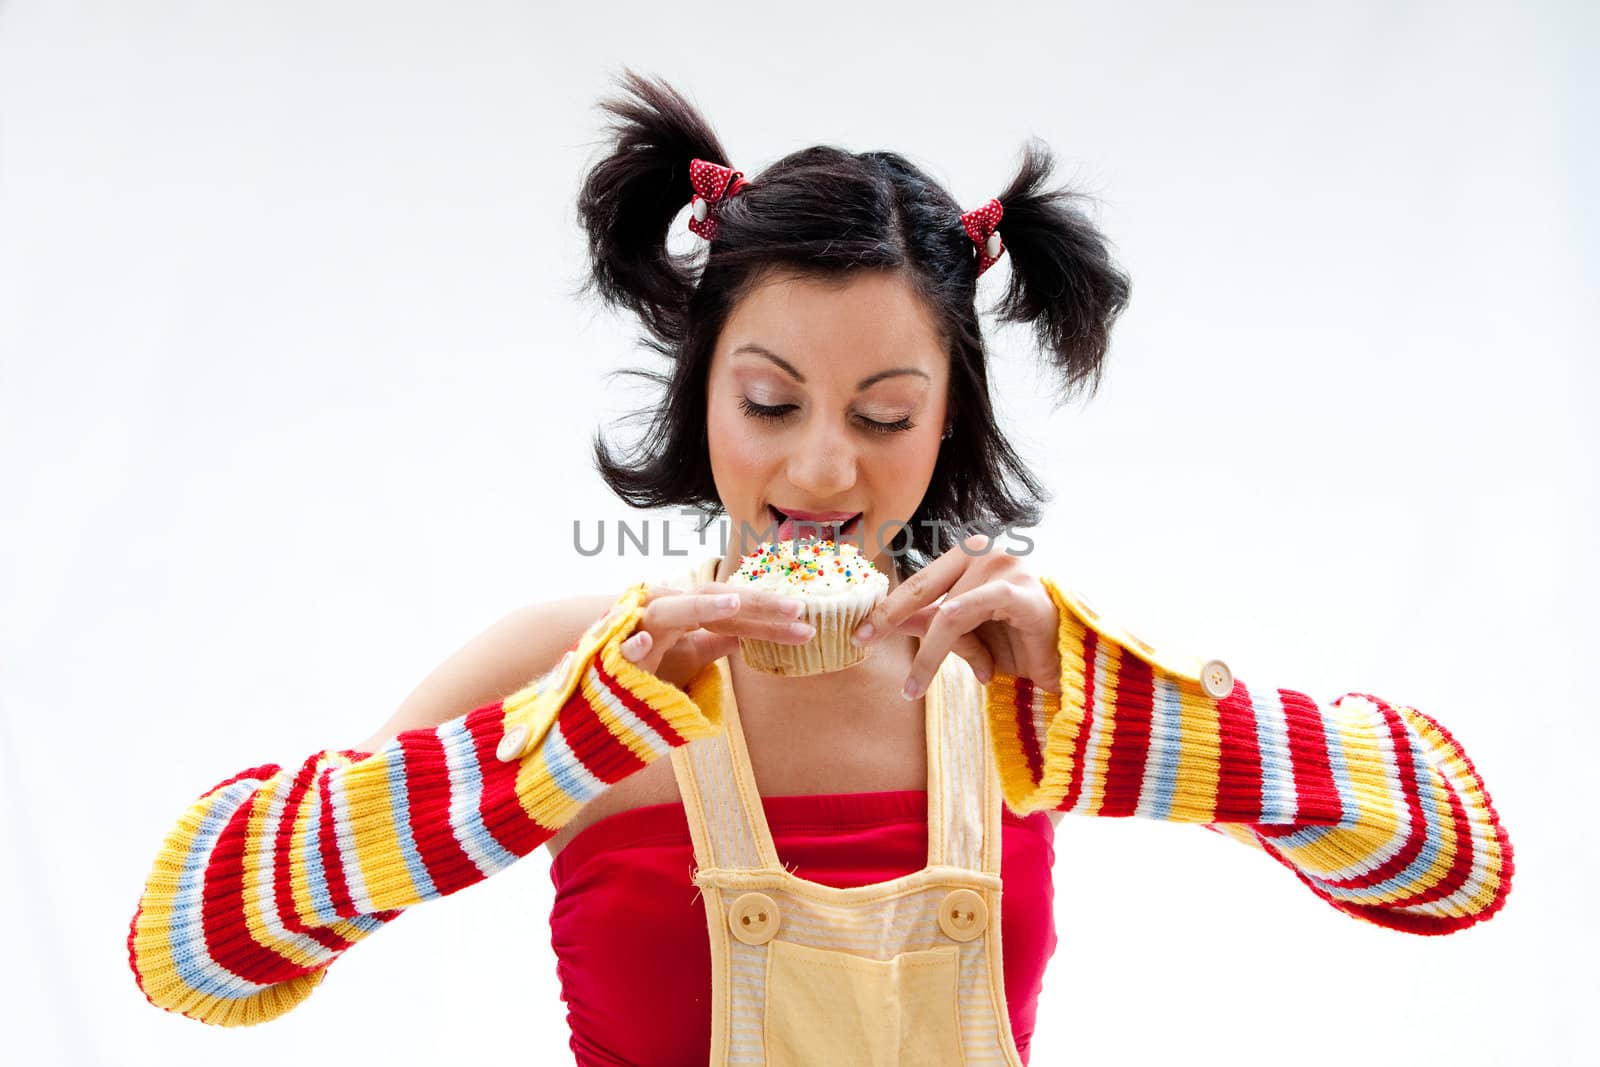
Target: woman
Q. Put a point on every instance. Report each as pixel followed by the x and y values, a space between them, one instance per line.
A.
pixel 827 365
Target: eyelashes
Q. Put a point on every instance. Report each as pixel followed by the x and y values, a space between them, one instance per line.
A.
pixel 777 414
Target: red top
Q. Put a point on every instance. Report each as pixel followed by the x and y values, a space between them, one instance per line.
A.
pixel 629 929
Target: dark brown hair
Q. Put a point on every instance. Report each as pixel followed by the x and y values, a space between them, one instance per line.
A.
pixel 824 212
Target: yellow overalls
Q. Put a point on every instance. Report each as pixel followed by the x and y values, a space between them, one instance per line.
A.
pixel 903 971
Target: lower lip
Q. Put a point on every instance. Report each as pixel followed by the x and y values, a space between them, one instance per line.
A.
pixel 787 529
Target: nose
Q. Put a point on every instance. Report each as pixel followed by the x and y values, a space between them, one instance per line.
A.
pixel 823 465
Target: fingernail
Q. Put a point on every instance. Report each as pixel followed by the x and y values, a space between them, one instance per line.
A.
pixel 863 633
pixel 949 605
pixel 803 629
pixel 911 689
pixel 632 647
pixel 725 602
pixel 983 675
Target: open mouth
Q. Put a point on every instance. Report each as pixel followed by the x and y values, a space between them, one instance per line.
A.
pixel 789 528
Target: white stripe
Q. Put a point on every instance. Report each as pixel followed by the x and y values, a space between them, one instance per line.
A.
pixel 1161 759
pixel 1279 800
pixel 657 744
pixel 1386 756
pixel 265 896
pixel 466 794
pixel 564 766
pixel 1096 728
pixel 349 861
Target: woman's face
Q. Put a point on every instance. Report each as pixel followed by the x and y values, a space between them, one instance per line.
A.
pixel 827 399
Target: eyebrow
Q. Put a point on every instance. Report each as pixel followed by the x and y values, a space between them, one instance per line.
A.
pixel 871 379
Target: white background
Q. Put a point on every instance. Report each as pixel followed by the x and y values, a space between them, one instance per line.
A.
pixel 295 399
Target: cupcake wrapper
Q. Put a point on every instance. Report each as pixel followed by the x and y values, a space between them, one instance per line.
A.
pixel 835 619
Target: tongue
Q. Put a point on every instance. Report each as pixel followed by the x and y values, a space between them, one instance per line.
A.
pixel 789 529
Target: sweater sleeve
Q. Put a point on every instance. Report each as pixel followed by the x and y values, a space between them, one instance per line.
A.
pixel 273 873
pixel 1373 805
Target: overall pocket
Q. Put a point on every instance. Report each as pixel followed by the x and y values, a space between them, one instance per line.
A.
pixel 826 1007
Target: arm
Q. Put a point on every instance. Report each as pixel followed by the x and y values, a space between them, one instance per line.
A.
pixel 524 644
pixel 1373 805
pixel 272 874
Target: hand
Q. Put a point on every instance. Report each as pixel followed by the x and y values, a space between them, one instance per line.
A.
pixel 994 615
pixel 683 630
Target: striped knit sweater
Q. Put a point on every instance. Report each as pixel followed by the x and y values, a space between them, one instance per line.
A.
pixel 272 874
pixel 1373 805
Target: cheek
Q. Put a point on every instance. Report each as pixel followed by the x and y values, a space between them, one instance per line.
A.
pixel 738 454
pixel 900 472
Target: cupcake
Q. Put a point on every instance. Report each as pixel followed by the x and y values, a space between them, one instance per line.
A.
pixel 839 588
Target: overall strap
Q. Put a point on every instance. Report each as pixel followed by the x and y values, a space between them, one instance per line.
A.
pixel 963 786
pixel 726 822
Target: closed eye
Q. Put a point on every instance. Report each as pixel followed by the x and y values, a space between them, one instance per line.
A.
pixel 781 411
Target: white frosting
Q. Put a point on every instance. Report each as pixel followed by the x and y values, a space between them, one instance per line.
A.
pixel 810 567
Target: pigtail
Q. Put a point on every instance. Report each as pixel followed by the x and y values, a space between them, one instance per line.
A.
pixel 1062 278
pixel 631 196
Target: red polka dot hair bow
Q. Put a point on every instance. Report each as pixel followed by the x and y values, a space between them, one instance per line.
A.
pixel 712 185
pixel 980 225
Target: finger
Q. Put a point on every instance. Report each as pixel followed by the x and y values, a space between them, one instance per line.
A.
pixel 788 631
pixel 750 599
pixel 675 615
pixel 636 649
pixel 955 617
pixel 969 646
pixel 910 596
pixel 757 601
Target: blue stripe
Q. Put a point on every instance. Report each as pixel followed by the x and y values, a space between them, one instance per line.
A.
pixel 1349 813
pixel 399 802
pixel 1277 762
pixel 1433 842
pixel 1167 711
pixel 466 797
pixel 186 936
pixel 316 875
pixel 565 767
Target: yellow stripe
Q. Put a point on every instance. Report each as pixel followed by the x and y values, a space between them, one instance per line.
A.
pixel 258 850
pixel 377 843
pixel 1479 824
pixel 1097 758
pixel 1194 794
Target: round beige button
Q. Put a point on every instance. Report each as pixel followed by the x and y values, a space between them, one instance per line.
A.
pixel 963 915
pixel 754 918
pixel 1216 679
pixel 701 210
pixel 511 744
pixel 600 624
pixel 992 245
pixel 564 669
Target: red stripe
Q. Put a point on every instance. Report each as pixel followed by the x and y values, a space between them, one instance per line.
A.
pixel 428 805
pixel 499 807
pixel 597 748
pixel 283 850
pixel 1417 834
pixel 328 849
pixel 1463 828
pixel 650 716
pixel 1091 642
pixel 1316 796
pixel 1432 925
pixel 1239 766
pixel 1461 864
pixel 257 774
pixel 1130 736
pixel 1023 694
pixel 222 918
